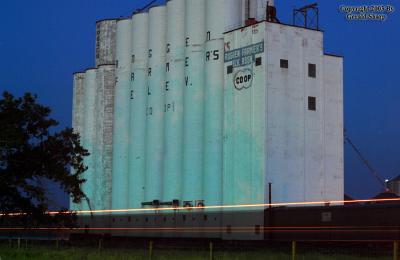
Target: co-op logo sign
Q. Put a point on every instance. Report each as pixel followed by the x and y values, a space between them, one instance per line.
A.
pixel 241 62
pixel 243 79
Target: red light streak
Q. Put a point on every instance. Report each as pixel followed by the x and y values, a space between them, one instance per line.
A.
pixel 211 229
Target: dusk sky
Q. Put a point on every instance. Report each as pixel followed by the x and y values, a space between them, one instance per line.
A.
pixel 43 42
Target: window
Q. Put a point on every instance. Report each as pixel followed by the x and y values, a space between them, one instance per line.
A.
pixel 284 64
pixel 312 103
pixel 312 70
pixel 258 61
pixel 229 69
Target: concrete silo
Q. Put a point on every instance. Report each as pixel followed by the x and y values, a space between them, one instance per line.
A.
pixel 173 106
pixel 221 16
pixel 193 102
pixel 105 84
pixel 105 41
pixel 78 97
pixel 121 138
pixel 155 103
pixel 138 105
pixel 89 134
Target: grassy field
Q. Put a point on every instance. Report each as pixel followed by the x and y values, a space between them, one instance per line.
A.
pixel 44 252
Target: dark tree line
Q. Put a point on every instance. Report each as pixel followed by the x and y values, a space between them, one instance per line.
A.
pixel 31 152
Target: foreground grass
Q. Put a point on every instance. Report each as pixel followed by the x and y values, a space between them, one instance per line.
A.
pixel 43 252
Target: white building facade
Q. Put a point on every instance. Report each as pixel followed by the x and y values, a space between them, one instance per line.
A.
pixel 283 116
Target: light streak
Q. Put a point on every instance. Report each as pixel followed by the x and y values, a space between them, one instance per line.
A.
pixel 205 230
pixel 238 206
pixel 197 228
pixel 262 205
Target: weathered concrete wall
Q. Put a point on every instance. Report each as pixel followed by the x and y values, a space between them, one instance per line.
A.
pixel 106 42
pixel 77 113
pixel 105 83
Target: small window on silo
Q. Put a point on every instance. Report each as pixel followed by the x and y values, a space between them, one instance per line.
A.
pixel 312 70
pixel 284 64
pixel 312 103
pixel 258 61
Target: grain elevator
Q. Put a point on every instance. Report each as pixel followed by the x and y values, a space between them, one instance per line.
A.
pixel 208 103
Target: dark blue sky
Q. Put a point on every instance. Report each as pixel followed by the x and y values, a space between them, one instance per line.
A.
pixel 43 42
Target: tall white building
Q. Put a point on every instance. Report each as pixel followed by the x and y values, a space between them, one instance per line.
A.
pixel 283 116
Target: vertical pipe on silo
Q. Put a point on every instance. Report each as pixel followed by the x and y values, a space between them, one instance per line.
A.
pixel 193 101
pixel 253 9
pixel 105 83
pixel 173 106
pixel 155 105
pixel 221 16
pixel 89 135
pixel 77 116
pixel 262 9
pixel 244 12
pixel 233 15
pixel 105 41
pixel 121 140
pixel 258 9
pixel 138 104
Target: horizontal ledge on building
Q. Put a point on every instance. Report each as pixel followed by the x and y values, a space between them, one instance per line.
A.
pixel 79 72
pixel 155 6
pixel 333 55
pixel 106 19
pixel 91 68
pixel 123 18
pixel 106 64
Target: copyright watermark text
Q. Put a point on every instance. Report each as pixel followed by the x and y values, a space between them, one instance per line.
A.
pixel 367 12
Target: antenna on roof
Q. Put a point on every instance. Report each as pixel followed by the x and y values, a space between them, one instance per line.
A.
pixel 309 15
